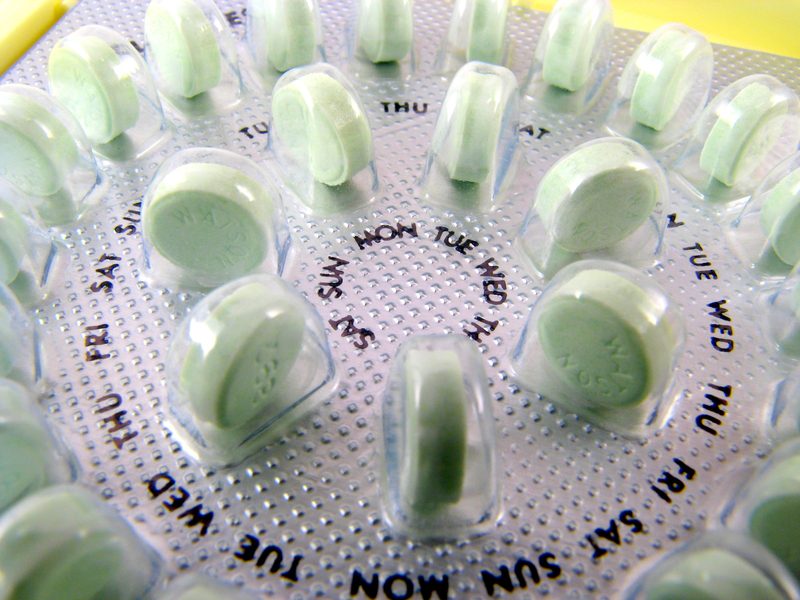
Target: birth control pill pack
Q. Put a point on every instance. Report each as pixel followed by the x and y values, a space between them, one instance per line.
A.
pixel 583 510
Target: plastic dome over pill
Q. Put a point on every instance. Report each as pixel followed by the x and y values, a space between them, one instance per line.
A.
pixel 603 341
pixel 747 129
pixel 604 199
pixel 248 360
pixel 439 478
pixel 104 82
pixel 283 34
pixel 572 57
pixel 45 158
pixel 472 155
pixel 664 87
pixel 385 30
pixel 191 52
pixel 210 216
pixel 477 32
pixel 323 139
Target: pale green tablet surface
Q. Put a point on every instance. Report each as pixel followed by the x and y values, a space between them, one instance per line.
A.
pixel 291 32
pixel 572 47
pixel 780 218
pixel 241 353
pixel 385 29
pixel 742 135
pixel 599 336
pixel 57 544
pixel 9 342
pixel 87 76
pixel 596 196
pixel 665 78
pixel 209 219
pixel 317 115
pixel 775 519
pixel 712 574
pixel 475 126
pixel 36 150
pixel 184 47
pixel 13 242
pixel 435 452
pixel 487 31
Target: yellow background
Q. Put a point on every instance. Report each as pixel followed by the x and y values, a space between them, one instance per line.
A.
pixel 768 25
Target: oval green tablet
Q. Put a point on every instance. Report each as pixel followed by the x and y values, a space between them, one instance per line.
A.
pixel 385 29
pixel 291 32
pixel 487 31
pixel 479 102
pixel 13 242
pixel 665 78
pixel 742 135
pixel 24 458
pixel 435 437
pixel 597 195
pixel 774 519
pixel 88 77
pixel 576 28
pixel 780 218
pixel 184 46
pixel 712 574
pixel 318 116
pixel 37 151
pixel 603 340
pixel 209 219
pixel 241 353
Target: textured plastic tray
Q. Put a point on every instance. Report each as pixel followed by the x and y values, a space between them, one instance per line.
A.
pixel 303 517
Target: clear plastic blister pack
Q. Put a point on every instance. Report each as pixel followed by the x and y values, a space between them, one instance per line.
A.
pixel 375 253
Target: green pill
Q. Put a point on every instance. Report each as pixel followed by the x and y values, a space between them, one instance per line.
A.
pixel 478 102
pixel 576 28
pixel 742 135
pixel 712 574
pixel 58 544
pixel 87 76
pixel 385 29
pixel 209 219
pixel 37 152
pixel 603 337
pixel 184 47
pixel 289 29
pixel 597 195
pixel 13 242
pixel 320 120
pixel 241 354
pixel 487 31
pixel 780 218
pixel 774 519
pixel 25 449
pixel 665 78
pixel 434 461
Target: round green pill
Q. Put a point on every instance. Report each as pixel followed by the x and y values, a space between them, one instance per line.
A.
pixel 37 151
pixel 291 32
pixel 435 437
pixel 319 118
pixel 712 574
pixel 385 29
pixel 487 30
pixel 602 338
pixel 780 218
pixel 184 47
pixel 241 353
pixel 597 195
pixel 209 219
pixel 742 134
pixel 665 78
pixel 87 76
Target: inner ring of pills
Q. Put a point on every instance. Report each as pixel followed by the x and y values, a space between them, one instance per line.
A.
pixel 321 305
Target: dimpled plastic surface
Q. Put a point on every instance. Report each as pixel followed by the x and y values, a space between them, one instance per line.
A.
pixel 315 494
